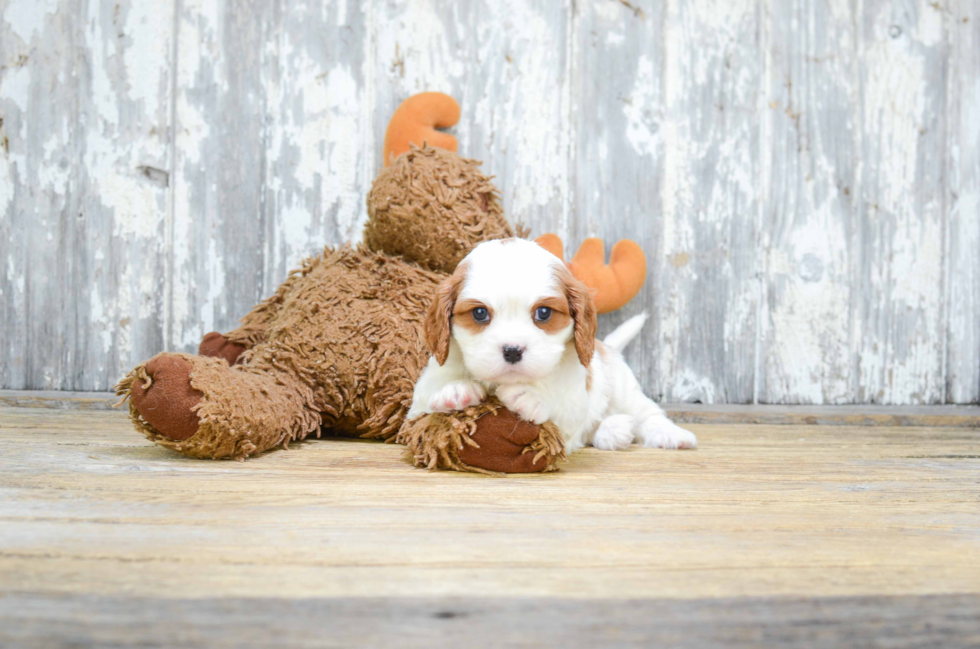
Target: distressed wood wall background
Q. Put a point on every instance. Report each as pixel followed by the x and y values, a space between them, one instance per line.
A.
pixel 803 174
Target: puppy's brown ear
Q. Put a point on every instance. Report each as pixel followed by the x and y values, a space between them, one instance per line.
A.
pixel 583 312
pixel 438 321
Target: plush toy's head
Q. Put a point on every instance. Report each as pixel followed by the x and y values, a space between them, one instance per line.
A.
pixel 432 207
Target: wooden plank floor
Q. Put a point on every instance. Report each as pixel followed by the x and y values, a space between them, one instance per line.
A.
pixel 776 534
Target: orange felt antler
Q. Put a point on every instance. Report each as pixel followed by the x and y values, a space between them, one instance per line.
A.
pixel 615 283
pixel 415 121
pixel 552 243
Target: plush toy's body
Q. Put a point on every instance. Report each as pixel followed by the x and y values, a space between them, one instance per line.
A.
pixel 340 344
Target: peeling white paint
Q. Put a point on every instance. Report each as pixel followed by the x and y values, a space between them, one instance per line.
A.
pixel 341 13
pixel 15 85
pixel 641 131
pixel 153 25
pixel 810 248
pixel 216 287
pixel 199 57
pixel 526 113
pixel 692 386
pixel 17 276
pixel 26 18
pixel 103 49
pixel 417 50
pixel 328 152
pixel 7 180
pixel 99 320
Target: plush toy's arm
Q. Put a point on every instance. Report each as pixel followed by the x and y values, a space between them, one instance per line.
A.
pixel 415 122
pixel 615 283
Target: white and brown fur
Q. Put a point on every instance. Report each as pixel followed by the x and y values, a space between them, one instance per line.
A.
pixel 563 374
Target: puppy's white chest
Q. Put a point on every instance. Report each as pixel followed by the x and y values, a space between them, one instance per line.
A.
pixel 579 399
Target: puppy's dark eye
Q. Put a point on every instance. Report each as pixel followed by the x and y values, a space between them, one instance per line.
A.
pixel 480 314
pixel 542 313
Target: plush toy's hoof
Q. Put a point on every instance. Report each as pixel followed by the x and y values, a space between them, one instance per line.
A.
pixel 486 438
pixel 168 402
pixel 501 437
pixel 216 345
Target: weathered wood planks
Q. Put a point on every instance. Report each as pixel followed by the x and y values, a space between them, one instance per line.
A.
pixel 711 206
pixel 618 163
pixel 804 176
pixel 44 620
pixel 963 203
pixel 89 509
pixel 85 103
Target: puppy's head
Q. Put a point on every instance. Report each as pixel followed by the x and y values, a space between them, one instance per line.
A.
pixel 513 309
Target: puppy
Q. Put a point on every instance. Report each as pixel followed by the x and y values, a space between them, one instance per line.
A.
pixel 513 321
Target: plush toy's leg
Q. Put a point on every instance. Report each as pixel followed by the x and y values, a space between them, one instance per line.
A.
pixel 486 438
pixel 203 408
pixel 217 345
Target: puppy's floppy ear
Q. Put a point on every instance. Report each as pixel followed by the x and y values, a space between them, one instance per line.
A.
pixel 583 312
pixel 438 321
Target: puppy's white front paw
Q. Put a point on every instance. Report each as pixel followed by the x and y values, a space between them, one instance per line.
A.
pixel 615 433
pixel 457 395
pixel 524 401
pixel 660 432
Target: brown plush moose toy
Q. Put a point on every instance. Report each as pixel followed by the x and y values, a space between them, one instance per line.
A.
pixel 340 344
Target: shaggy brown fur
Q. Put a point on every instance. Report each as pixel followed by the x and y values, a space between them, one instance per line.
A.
pixel 460 205
pixel 440 441
pixel 341 347
pixel 340 344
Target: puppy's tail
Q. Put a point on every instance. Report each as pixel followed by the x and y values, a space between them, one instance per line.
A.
pixel 625 332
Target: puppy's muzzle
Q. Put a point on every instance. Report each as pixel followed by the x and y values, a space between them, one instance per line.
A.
pixel 513 354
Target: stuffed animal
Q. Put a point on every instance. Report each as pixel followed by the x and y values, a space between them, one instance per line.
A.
pixel 340 344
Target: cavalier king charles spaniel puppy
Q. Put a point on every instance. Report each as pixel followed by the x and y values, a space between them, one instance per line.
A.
pixel 513 321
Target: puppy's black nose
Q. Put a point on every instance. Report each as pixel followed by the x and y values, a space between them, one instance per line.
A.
pixel 513 354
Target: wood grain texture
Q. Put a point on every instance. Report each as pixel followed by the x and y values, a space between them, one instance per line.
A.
pixel 505 62
pixel 319 139
pixel 45 620
pixel 855 300
pixel 963 203
pixel 802 175
pixel 618 90
pixel 773 535
pixel 758 511
pixel 218 233
pixel 282 172
pixel 711 203
pixel 84 104
pixel 809 226
pixel 898 301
